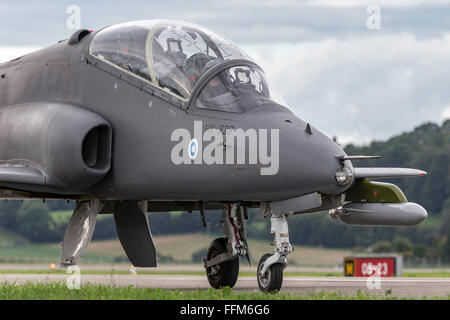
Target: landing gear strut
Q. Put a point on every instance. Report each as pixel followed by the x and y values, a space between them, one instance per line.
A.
pixel 222 258
pixel 223 274
pixel 271 266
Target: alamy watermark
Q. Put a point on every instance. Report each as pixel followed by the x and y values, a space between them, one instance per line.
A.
pixel 73 22
pixel 214 147
pixel 374 271
pixel 74 280
pixel 374 20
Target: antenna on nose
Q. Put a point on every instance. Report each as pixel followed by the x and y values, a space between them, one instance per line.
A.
pixel 343 158
pixel 308 129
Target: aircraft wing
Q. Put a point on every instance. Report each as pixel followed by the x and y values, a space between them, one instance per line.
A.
pixel 23 180
pixel 384 173
pixel 21 174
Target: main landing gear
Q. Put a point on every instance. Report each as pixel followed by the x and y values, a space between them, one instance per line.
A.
pixel 222 258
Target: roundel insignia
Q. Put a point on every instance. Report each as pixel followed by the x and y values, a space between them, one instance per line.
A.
pixel 193 149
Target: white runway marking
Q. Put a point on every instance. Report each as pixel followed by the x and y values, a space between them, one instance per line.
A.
pixel 400 280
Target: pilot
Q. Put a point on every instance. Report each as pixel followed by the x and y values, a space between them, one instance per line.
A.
pixel 242 79
pixel 175 52
pixel 196 66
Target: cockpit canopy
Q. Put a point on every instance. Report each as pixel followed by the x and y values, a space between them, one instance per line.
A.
pixel 174 55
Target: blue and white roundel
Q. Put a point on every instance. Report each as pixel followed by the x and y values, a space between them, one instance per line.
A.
pixel 193 149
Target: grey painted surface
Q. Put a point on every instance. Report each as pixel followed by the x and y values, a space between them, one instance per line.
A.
pixel 42 85
pixel 383 214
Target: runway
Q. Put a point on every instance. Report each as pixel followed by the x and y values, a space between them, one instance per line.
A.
pixel 399 287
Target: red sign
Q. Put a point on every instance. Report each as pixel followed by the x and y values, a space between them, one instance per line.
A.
pixel 367 266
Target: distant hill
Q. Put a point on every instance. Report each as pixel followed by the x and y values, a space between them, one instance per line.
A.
pixel 10 238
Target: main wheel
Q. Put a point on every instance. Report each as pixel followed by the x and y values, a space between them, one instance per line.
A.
pixel 224 274
pixel 273 278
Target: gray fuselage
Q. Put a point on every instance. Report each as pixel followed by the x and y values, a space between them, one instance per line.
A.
pixel 142 121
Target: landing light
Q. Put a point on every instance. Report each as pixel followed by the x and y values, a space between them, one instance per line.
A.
pixel 344 176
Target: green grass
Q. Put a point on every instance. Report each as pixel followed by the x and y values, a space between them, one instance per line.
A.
pixel 179 247
pixel 32 251
pixel 437 274
pixel 59 291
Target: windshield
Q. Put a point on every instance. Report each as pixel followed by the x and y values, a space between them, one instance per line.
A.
pixel 172 55
pixel 237 89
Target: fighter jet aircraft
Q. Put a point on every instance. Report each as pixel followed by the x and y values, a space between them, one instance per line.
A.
pixel 162 115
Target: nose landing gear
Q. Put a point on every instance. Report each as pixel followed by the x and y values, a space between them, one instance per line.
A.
pixel 271 266
pixel 222 258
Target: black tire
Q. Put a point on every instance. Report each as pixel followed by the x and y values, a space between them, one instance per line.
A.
pixel 224 274
pixel 273 278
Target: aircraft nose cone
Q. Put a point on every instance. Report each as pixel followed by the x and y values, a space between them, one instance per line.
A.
pixel 313 161
pixel 308 159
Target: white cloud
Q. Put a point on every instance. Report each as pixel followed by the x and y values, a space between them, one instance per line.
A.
pixel 44 22
pixel 381 3
pixel 445 113
pixel 339 3
pixel 8 53
pixel 365 87
pixel 359 88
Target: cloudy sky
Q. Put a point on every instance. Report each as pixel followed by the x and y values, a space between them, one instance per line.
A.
pixel 349 81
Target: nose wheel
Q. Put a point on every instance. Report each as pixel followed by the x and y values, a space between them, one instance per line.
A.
pixel 271 266
pixel 272 279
